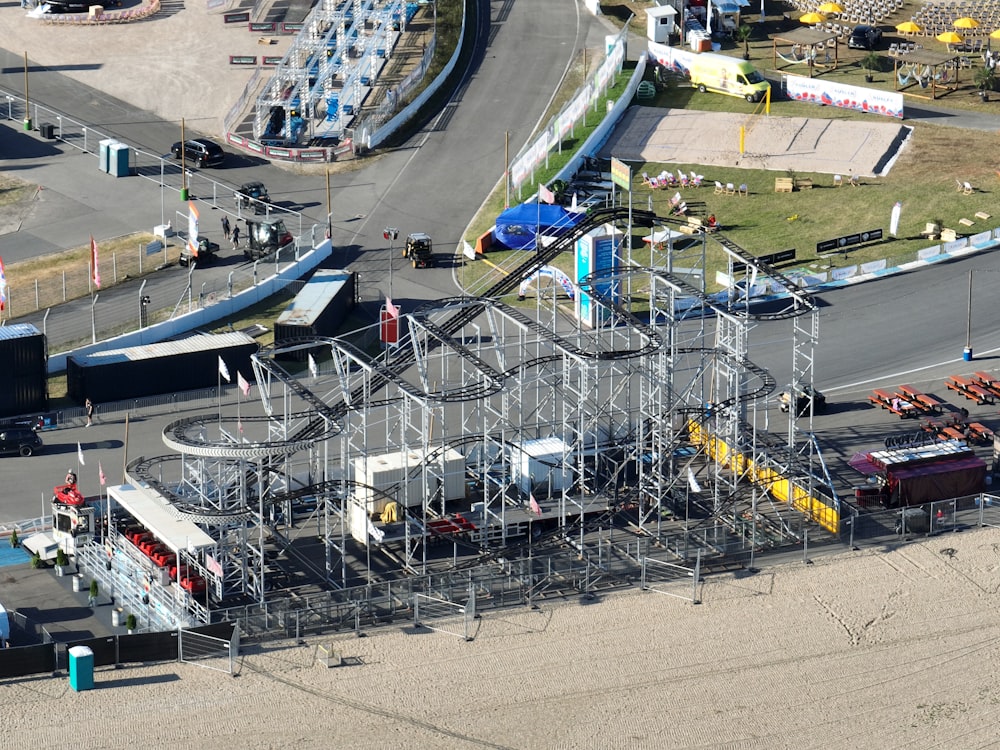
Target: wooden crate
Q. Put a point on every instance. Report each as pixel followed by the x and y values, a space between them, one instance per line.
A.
pixel 784 184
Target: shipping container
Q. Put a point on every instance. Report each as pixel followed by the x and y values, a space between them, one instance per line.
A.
pixel 538 466
pixel 400 476
pixel 319 309
pixel 152 369
pixel 24 375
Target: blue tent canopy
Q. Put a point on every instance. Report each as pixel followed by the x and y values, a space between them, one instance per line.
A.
pixel 516 227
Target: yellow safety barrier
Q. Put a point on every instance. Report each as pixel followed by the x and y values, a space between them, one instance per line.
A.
pixel 782 488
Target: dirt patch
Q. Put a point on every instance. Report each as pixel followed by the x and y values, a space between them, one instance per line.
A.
pixel 797 144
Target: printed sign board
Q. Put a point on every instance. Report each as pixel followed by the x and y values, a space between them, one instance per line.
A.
pixel 621 174
pixel 842 243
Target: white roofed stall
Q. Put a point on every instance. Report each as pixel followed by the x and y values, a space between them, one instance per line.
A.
pixel 160 518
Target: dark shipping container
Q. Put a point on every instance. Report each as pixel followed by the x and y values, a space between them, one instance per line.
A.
pixel 24 374
pixel 152 369
pixel 319 309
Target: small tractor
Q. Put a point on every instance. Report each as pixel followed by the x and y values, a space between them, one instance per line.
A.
pixel 419 250
pixel 204 255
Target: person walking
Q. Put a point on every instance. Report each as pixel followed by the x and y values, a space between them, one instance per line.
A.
pixel 236 238
pixel 89 406
pixel 226 227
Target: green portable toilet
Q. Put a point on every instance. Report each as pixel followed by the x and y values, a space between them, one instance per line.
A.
pixel 81 668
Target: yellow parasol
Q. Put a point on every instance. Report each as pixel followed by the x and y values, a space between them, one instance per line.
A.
pixel 995 34
pixel 831 8
pixel 908 27
pixel 811 18
pixel 965 23
pixel 949 37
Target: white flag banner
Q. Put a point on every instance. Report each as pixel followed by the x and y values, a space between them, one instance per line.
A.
pixel 313 368
pixel 693 482
pixel 79 455
pixel 894 219
pixel 223 370
pixel 375 533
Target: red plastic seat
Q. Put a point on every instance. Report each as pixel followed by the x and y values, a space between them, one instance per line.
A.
pixel 162 556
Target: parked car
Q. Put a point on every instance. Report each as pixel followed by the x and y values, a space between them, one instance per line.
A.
pixel 253 195
pixel 201 151
pixel 21 440
pixel 67 6
pixel 865 37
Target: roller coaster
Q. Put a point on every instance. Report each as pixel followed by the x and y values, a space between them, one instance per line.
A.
pixel 487 429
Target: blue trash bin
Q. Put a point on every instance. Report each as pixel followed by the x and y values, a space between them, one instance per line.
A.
pixel 81 668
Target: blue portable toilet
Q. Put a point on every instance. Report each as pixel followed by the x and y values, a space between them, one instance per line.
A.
pixel 118 155
pixel 81 668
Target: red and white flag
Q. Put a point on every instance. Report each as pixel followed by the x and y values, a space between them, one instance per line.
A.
pixel 223 370
pixel 533 504
pixel 243 384
pixel 95 271
pixel 100 474
pixel 391 308
pixel 3 286
pixel 545 195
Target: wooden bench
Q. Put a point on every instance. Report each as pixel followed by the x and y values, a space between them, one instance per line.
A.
pixel 970 390
pixel 881 398
pixel 784 185
pixel 980 431
pixel 983 215
pixel 984 378
pixel 948 235
pixel 804 184
pixel 893 403
pixel 966 222
pixel 987 381
pixel 921 400
pixel 950 433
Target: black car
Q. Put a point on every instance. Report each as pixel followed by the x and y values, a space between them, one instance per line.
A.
pixel 201 151
pixel 865 37
pixel 66 6
pixel 21 440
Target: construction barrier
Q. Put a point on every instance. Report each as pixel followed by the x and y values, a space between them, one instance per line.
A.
pixel 780 487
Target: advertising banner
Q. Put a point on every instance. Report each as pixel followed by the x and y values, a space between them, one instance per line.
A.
pixel 834 94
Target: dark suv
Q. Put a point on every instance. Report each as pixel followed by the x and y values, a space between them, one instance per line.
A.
pixel 865 37
pixel 21 440
pixel 201 151
pixel 253 195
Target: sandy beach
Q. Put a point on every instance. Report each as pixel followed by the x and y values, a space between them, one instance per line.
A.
pixel 895 647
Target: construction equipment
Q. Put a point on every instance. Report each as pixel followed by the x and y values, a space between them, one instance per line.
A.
pixel 265 236
pixel 419 249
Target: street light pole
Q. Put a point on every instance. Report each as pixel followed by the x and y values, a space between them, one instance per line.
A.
pixel 390 233
pixel 329 208
pixel 967 354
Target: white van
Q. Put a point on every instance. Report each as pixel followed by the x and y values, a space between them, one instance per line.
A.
pixel 727 75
